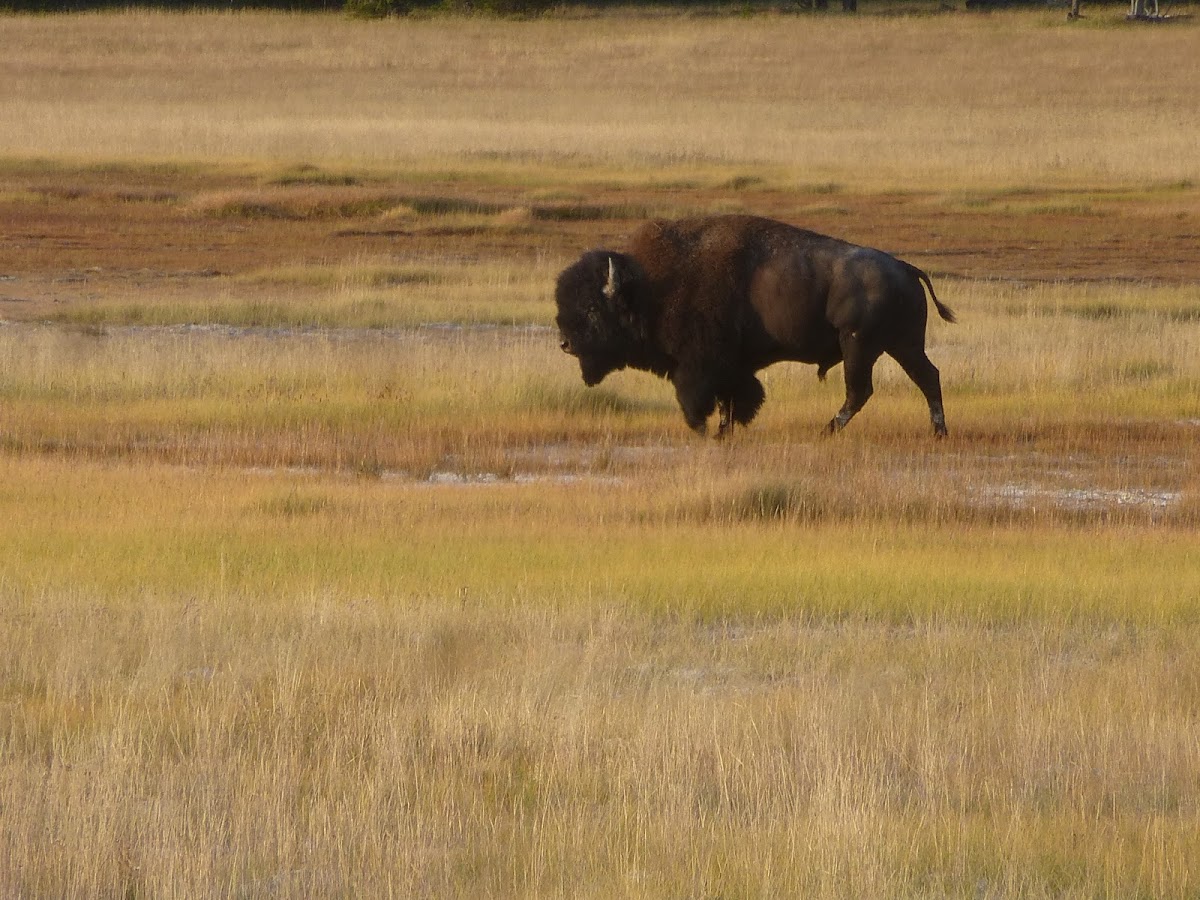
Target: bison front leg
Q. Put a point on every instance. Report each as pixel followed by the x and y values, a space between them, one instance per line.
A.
pixel 740 404
pixel 858 363
pixel 725 411
pixel 697 398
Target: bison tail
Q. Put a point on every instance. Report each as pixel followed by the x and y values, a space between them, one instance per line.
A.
pixel 943 310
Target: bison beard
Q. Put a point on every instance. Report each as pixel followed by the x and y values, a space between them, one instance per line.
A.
pixel 707 302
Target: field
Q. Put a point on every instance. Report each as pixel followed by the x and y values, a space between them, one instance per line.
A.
pixel 322 573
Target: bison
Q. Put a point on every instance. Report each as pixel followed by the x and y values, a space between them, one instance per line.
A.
pixel 707 302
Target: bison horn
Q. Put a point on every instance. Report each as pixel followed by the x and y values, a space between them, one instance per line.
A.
pixel 610 288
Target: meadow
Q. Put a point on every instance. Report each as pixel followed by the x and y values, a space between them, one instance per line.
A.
pixel 322 573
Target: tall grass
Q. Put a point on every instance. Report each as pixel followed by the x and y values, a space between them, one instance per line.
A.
pixel 1060 365
pixel 942 100
pixel 303 596
pixel 345 737
pixel 408 612
pixel 699 542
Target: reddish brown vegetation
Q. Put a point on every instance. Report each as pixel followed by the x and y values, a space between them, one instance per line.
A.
pixel 71 236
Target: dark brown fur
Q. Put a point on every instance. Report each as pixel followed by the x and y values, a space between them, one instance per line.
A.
pixel 707 302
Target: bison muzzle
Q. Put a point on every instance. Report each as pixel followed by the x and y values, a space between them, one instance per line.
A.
pixel 707 302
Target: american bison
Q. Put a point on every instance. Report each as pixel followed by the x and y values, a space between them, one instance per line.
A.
pixel 707 302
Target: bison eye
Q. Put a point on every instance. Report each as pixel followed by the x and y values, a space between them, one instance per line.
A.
pixel 566 346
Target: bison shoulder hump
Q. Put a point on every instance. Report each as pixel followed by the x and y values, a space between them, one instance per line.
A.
pixel 658 246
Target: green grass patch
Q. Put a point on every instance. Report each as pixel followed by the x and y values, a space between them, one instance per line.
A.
pixel 578 547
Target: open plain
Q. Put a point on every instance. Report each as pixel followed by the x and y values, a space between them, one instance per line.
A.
pixel 322 574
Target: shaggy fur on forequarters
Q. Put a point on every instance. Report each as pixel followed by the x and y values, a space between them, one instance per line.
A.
pixel 707 302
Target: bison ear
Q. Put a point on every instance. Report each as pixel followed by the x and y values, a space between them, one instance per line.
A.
pixel 610 286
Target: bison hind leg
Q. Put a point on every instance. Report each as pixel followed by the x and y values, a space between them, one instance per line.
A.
pixel 924 375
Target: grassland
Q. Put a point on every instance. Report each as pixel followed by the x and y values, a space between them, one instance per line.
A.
pixel 321 573
pixel 941 100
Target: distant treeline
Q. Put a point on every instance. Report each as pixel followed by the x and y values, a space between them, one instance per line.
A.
pixel 59 6
pixel 380 8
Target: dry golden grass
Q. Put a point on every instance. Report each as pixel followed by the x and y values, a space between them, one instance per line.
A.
pixel 297 599
pixel 421 615
pixel 1064 366
pixel 943 100
pixel 440 621
pixel 462 753
pixel 281 684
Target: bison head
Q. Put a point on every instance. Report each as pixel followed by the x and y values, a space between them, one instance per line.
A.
pixel 598 320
